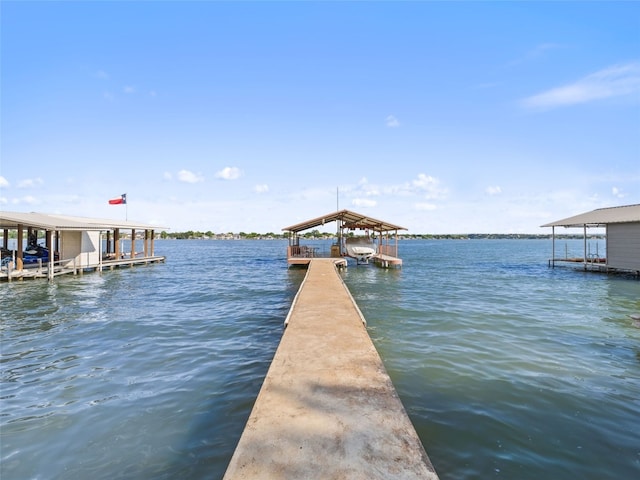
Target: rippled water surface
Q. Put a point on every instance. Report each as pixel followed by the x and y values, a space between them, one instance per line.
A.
pixel 507 368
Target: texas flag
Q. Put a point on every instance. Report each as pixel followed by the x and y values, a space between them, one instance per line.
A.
pixel 119 201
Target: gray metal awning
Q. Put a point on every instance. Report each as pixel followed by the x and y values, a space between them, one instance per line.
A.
pixel 45 221
pixel 600 217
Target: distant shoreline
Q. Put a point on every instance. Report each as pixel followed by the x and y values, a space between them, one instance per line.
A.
pixel 425 236
pixel 191 235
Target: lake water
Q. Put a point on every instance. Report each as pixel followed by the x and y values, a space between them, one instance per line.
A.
pixel 507 368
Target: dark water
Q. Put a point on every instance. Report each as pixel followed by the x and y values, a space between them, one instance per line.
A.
pixel 507 368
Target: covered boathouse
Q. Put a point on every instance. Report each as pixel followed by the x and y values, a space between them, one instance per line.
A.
pixel 48 245
pixel 379 236
pixel 622 234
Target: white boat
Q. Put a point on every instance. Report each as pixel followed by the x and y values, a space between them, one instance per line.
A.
pixel 360 248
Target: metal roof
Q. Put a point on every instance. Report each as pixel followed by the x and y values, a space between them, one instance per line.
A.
pixel 349 219
pixel 601 217
pixel 64 222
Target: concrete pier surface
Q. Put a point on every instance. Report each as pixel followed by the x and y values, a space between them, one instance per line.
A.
pixel 327 408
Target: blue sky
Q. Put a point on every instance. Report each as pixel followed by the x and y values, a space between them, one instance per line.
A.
pixel 442 117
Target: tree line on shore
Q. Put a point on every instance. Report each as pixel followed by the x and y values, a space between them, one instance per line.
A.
pixel 317 235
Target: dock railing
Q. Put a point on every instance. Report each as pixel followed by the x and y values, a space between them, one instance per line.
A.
pixel 390 250
pixel 39 269
pixel 44 269
pixel 307 251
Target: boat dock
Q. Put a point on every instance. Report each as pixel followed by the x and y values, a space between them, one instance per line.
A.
pixel 378 244
pixel 622 240
pixel 47 245
pixel 327 407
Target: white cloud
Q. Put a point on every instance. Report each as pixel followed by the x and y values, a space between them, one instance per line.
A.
pixel 615 81
pixel 363 202
pixel 3 182
pixel 167 176
pixel 28 199
pixel 617 192
pixel 30 182
pixel 424 185
pixel 371 191
pixel 264 188
pixel 365 188
pixel 425 206
pixel 3 201
pixel 189 177
pixel 424 182
pixel 429 186
pixel 102 75
pixel 392 122
pixel 229 173
pixel 493 190
pixel 128 89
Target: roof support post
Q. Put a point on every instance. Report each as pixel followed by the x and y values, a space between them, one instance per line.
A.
pixel 100 251
pixel 19 264
pixel 606 246
pixel 116 243
pixel 133 243
pixel 584 238
pixel 553 247
pixel 5 239
pixel 153 237
pixel 49 242
pixel 397 244
pixel 108 242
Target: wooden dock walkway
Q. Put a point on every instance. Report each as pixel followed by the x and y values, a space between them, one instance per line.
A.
pixel 327 408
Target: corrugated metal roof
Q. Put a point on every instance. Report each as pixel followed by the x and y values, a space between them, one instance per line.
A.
pixel 601 217
pixel 64 222
pixel 349 219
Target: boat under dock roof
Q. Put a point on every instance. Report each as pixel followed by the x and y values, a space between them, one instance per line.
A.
pixel 348 221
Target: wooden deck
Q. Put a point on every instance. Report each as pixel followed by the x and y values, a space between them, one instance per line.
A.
pixel 591 264
pixel 387 261
pixel 303 256
pixel 31 272
pixel 327 408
